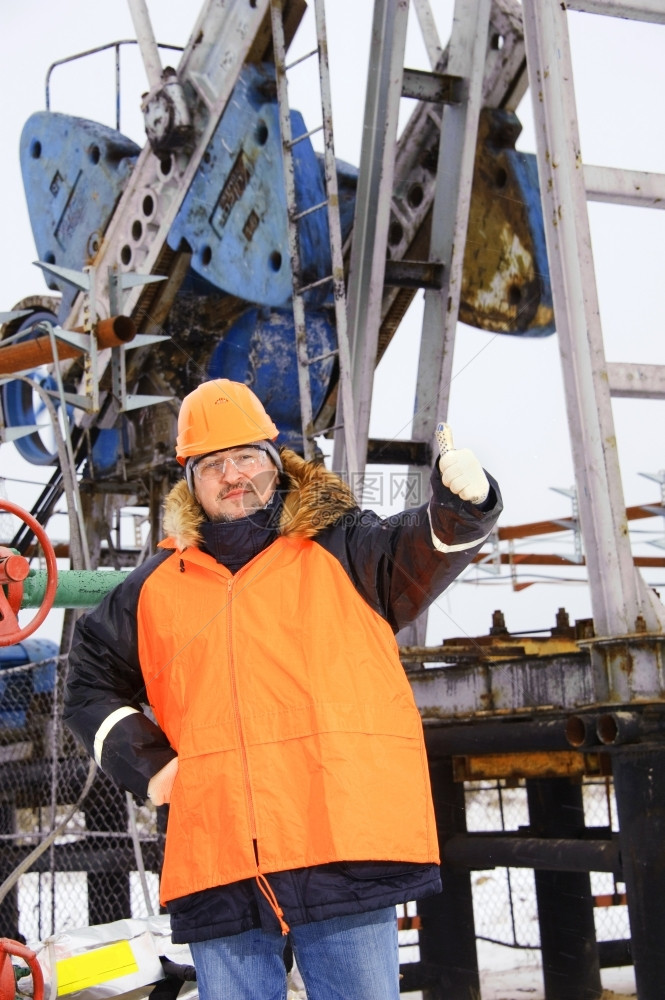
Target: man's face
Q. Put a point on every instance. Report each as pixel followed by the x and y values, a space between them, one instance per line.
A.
pixel 232 483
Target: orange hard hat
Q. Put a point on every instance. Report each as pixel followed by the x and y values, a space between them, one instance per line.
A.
pixel 221 414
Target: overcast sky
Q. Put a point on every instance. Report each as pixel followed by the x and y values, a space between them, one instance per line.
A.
pixel 506 400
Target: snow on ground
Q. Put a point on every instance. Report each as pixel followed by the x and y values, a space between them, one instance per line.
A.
pixel 507 974
pixel 510 975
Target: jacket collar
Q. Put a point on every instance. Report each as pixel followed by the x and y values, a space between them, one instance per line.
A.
pixel 234 543
pixel 313 498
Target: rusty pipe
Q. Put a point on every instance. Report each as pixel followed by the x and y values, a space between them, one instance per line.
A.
pixel 112 332
pixel 581 730
pixel 624 726
pixel 619 727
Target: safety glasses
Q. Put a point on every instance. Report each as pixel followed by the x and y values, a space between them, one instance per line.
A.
pixel 246 460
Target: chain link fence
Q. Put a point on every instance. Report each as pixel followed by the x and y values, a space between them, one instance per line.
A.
pixel 504 899
pixel 611 912
pixel 101 851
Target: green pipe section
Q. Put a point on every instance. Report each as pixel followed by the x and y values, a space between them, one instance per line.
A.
pixel 77 588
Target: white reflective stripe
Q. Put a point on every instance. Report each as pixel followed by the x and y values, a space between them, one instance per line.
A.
pixel 442 547
pixel 106 727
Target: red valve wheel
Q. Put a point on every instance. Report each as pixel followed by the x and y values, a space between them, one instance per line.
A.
pixel 10 602
pixel 7 980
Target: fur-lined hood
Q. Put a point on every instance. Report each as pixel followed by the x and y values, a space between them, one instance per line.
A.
pixel 315 499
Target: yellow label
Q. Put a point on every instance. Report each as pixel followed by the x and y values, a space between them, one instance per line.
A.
pixel 94 967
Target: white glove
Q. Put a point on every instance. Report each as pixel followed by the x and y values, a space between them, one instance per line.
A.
pixel 161 784
pixel 460 470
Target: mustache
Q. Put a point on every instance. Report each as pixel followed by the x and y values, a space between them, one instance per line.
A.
pixel 245 485
pixel 257 486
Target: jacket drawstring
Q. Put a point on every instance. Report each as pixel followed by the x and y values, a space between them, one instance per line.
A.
pixel 266 889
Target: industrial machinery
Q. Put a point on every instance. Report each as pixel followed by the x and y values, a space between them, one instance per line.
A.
pixel 205 209
pixel 227 246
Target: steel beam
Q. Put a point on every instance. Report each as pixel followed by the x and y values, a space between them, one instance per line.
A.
pixel 565 682
pixel 634 10
pixel 467 53
pixel 624 187
pixel 450 214
pixel 637 381
pixel 571 970
pixel 549 854
pixel 639 785
pixel 372 212
pixel 448 937
pixel 612 954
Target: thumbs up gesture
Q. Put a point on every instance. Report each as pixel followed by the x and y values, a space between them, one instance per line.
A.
pixel 460 470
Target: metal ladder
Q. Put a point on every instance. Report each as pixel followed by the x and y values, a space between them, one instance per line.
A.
pixel 622 603
pixel 458 92
pixel 346 413
pixel 627 653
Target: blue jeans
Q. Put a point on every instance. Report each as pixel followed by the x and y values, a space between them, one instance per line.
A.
pixel 344 958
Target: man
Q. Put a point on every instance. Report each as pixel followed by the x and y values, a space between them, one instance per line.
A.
pixel 286 740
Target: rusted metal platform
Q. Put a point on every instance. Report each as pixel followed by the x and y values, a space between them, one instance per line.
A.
pixel 548 710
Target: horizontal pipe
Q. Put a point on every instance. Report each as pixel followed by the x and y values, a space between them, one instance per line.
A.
pixel 88 855
pixel 38 351
pixel 416 976
pixel 484 736
pixel 619 727
pixel 581 730
pixel 612 954
pixel 481 851
pixel 615 728
pixel 77 588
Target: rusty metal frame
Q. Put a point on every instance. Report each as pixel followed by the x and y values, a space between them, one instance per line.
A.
pixel 622 604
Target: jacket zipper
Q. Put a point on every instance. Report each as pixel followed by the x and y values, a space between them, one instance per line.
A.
pixel 261 880
pixel 236 713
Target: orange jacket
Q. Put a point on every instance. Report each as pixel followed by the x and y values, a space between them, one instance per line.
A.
pixel 293 719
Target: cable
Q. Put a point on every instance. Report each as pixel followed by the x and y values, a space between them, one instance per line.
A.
pixel 138 854
pixel 28 861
